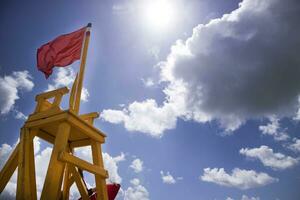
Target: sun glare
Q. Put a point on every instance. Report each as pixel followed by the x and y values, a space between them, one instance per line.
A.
pixel 160 14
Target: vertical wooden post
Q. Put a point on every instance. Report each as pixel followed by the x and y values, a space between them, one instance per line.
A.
pixel 66 183
pixel 26 187
pixel 53 180
pixel 82 69
pixel 98 160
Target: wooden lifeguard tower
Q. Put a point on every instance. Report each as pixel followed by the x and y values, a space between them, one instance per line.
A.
pixel 66 130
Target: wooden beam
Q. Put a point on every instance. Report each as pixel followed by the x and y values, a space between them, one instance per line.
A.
pixel 82 164
pixel 26 185
pixel 66 181
pixel 46 136
pixel 53 180
pixel 79 183
pixel 9 168
pixel 50 94
pixel 98 161
pixel 80 143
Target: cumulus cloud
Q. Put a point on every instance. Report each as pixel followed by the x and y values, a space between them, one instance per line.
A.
pixel 167 178
pixel 146 117
pixel 270 159
pixel 273 128
pixel 136 191
pixel 148 82
pixel 20 115
pixel 295 146
pixel 137 165
pixel 233 68
pixel 239 178
pixel 10 88
pixel 65 76
pixel 245 197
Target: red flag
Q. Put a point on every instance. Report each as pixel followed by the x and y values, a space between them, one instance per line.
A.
pixel 112 191
pixel 60 52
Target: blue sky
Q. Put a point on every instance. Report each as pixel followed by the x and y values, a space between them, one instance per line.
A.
pixel 199 99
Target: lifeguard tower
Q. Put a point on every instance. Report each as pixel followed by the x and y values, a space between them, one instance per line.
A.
pixel 66 130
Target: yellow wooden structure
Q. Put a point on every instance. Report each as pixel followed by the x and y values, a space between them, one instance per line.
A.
pixel 66 130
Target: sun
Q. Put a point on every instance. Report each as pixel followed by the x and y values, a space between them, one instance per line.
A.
pixel 159 14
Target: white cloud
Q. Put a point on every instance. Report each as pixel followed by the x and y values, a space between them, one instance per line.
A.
pixel 239 178
pixel 148 82
pixel 65 76
pixel 232 69
pixel 273 128
pixel 229 198
pixel 245 197
pixel 146 117
pixel 269 158
pixel 295 146
pixel 137 165
pixel 136 191
pixel 5 151
pixel 167 178
pixel 20 115
pixel 11 86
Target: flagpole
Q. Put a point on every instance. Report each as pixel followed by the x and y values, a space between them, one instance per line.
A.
pixel 79 82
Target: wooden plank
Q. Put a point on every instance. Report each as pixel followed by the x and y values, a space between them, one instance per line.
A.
pixel 9 168
pixel 100 181
pixel 59 117
pixel 79 183
pixel 80 143
pixel 78 119
pixel 31 164
pixel 90 117
pixel 52 112
pixel 46 136
pixel 26 185
pixel 82 164
pixel 66 184
pixel 87 129
pixel 81 70
pixel 53 180
pixel 50 94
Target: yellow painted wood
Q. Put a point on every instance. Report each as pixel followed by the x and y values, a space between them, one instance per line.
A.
pixel 82 164
pixel 100 181
pixel 89 117
pixel 9 168
pixel 73 94
pixel 67 175
pixel 85 129
pixel 44 114
pixel 26 185
pixel 80 143
pixel 53 180
pixel 53 93
pixel 81 72
pixel 43 104
pixel 46 136
pixel 79 183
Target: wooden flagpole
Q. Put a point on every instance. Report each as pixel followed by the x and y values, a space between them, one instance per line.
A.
pixel 76 92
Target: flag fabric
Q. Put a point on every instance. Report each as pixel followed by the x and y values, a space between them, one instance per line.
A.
pixel 60 52
pixel 112 191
